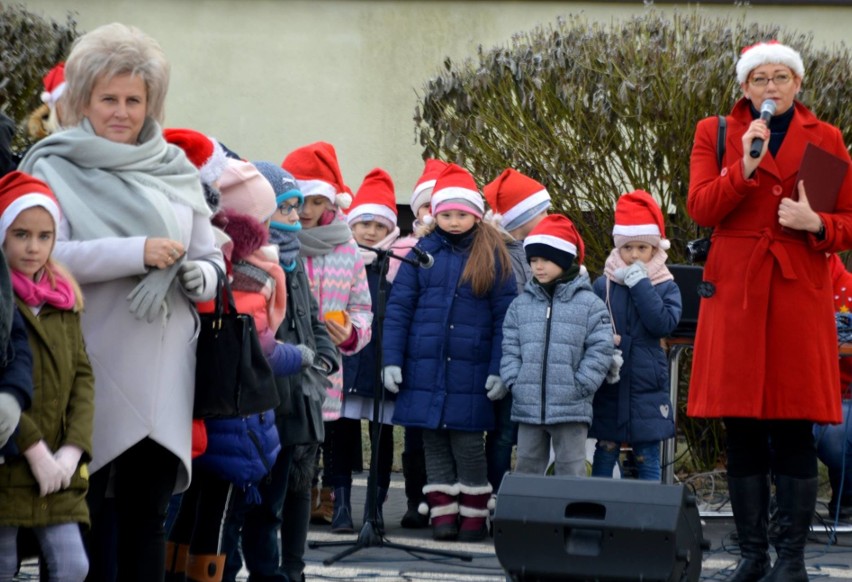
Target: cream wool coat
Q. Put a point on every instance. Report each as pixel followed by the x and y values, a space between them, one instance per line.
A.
pixel 144 372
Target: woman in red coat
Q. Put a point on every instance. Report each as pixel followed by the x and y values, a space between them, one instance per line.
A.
pixel 765 356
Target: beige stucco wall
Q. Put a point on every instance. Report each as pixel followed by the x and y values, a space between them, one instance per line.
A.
pixel 266 76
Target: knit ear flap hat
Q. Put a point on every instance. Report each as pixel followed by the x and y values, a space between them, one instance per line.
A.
pixel 246 191
pixel 515 199
pixel 54 85
pixel 638 218
pixel 768 53
pixel 202 151
pixel 316 168
pixel 375 200
pixel 556 239
pixel 455 189
pixel 19 192
pixel 426 184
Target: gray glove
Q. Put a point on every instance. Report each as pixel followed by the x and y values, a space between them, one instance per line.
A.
pixel 191 277
pixel 10 416
pixel 613 375
pixel 495 387
pixel 149 296
pixel 635 273
pixel 307 355
pixel 392 378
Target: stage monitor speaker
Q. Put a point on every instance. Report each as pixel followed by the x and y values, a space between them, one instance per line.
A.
pixel 586 528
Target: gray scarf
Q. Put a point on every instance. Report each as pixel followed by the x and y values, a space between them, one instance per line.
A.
pixel 321 240
pixel 105 188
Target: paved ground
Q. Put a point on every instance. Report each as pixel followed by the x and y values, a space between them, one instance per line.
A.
pixel 825 561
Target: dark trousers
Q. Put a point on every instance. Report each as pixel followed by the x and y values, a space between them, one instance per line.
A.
pixel 201 517
pixel 144 478
pixel 782 447
pixel 499 442
pixel 348 460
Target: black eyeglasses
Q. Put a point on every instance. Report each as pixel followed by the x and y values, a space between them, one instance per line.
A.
pixel 285 208
pixel 781 79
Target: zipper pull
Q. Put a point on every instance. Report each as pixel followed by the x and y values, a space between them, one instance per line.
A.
pixel 549 307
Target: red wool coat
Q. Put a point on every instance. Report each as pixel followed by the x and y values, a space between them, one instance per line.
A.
pixel 766 344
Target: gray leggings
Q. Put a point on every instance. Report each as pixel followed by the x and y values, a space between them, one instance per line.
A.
pixel 62 548
pixel 569 445
pixel 454 456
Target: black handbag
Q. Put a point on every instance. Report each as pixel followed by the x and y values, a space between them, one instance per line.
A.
pixel 232 376
pixel 698 249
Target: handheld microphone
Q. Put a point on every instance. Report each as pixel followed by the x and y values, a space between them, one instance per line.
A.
pixel 767 110
pixel 423 258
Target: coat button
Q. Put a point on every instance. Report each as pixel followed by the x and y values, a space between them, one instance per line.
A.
pixel 777 190
pixel 724 172
pixel 452 326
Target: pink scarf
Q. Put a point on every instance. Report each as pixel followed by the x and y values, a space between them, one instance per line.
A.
pixel 34 294
pixel 657 270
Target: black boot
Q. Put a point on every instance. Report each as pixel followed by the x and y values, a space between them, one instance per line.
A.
pixel 414 471
pixel 750 503
pixel 796 503
pixel 341 521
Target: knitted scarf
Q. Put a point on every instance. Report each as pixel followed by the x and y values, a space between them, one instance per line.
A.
pixel 657 269
pixel 60 294
pixel 288 245
pixel 321 240
pixel 382 245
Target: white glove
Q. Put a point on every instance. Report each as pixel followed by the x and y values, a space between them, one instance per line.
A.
pixel 10 416
pixel 613 375
pixel 618 274
pixel 392 378
pixel 496 389
pixel 191 277
pixel 635 273
pixel 45 469
pixel 68 457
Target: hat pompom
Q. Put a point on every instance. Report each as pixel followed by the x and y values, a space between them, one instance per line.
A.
pixel 665 244
pixel 495 218
pixel 343 200
pixel 427 219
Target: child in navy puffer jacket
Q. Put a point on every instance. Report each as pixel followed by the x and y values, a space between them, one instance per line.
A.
pixel 645 305
pixel 442 351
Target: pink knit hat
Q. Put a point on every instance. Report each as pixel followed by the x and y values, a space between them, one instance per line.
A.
pixel 245 190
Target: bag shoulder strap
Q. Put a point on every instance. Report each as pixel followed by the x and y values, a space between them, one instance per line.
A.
pixel 721 135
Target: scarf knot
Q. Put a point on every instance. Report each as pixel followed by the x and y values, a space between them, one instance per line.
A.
pixel 59 294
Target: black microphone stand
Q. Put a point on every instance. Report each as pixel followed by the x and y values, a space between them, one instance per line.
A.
pixel 370 535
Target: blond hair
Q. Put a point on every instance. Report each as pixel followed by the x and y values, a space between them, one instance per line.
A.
pixel 53 268
pixel 109 51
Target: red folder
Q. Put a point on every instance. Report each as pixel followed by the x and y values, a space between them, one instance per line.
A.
pixel 823 174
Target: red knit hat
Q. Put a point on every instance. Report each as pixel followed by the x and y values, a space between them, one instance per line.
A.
pixel 20 191
pixel 54 85
pixel 455 189
pixel 426 183
pixel 554 238
pixel 515 198
pixel 375 200
pixel 203 151
pixel 317 171
pixel 638 218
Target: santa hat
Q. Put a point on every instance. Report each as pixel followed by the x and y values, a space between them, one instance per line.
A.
pixel 768 53
pixel 425 184
pixel 203 151
pixel 455 189
pixel 54 85
pixel 375 200
pixel 316 168
pixel 245 190
pixel 556 239
pixel 515 199
pixel 20 191
pixel 638 218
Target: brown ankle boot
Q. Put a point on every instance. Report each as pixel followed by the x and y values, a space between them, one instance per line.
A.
pixel 205 568
pixel 177 556
pixel 322 510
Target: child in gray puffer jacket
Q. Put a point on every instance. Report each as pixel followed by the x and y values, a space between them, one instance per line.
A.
pixel 557 350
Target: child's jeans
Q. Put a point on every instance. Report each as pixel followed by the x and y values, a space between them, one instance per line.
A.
pixel 569 446
pixel 61 546
pixel 833 442
pixel 646 455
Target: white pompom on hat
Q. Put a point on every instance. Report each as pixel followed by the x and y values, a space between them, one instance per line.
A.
pixel 375 200
pixel 638 218
pixel 768 53
pixel 317 172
